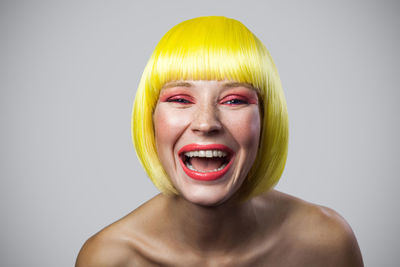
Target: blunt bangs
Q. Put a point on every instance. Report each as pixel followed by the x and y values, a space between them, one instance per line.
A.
pixel 221 49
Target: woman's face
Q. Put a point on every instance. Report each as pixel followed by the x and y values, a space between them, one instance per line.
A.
pixel 207 135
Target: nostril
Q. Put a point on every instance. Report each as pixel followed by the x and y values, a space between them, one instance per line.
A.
pixel 208 127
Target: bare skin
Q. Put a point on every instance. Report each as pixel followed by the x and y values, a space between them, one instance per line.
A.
pixel 194 228
pixel 273 229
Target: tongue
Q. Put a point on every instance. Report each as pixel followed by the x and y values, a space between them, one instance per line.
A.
pixel 206 164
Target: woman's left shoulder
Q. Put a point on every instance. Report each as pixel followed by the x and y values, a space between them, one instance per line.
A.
pixel 318 233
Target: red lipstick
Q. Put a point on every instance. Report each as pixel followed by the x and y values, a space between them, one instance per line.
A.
pixel 206 176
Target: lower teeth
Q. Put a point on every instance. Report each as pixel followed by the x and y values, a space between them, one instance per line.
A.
pixel 215 170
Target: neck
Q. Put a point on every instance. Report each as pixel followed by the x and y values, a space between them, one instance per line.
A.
pixel 213 229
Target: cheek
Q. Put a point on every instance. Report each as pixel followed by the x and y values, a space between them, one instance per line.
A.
pixel 168 125
pixel 245 127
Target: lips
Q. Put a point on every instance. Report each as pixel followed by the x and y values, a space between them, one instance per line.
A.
pixel 214 159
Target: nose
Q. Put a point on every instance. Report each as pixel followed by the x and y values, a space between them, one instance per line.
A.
pixel 206 120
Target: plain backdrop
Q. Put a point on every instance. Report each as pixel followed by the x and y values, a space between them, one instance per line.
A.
pixel 68 76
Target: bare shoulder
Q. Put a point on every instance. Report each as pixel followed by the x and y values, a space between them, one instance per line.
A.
pixel 318 235
pixel 104 249
pixel 117 245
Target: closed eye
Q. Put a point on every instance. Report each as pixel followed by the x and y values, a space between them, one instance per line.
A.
pixel 234 100
pixel 180 99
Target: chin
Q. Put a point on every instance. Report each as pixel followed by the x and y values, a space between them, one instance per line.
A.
pixel 205 196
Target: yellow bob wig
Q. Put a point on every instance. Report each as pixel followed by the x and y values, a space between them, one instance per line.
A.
pixel 214 48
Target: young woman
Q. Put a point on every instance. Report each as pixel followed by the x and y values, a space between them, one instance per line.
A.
pixel 210 127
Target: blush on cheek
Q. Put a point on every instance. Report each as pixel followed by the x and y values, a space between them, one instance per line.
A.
pixel 247 127
pixel 163 117
pixel 168 122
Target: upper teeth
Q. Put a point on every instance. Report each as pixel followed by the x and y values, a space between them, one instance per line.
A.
pixel 206 153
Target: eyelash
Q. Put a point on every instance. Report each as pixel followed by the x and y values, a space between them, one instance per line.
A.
pixel 229 100
pixel 234 100
pixel 179 99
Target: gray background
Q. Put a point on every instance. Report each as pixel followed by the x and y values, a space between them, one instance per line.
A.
pixel 69 72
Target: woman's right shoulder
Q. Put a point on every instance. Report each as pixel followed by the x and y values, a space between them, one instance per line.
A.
pixel 118 244
pixel 104 249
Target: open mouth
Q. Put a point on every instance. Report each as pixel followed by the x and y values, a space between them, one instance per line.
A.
pixel 205 162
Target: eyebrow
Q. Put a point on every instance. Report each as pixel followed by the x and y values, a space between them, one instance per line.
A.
pixel 188 84
pixel 177 84
pixel 236 84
